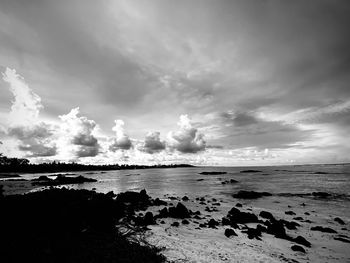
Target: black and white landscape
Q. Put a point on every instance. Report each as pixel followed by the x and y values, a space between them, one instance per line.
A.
pixel 177 131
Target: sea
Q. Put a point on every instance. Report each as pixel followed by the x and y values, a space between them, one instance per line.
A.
pixel 316 194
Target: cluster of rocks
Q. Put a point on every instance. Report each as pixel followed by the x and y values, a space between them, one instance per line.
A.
pixel 61 180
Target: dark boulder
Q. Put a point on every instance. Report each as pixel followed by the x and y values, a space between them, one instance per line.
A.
pixel 323 229
pixel 298 248
pixel 276 228
pixel 339 220
pixel 239 205
pixel 253 233
pixel 267 215
pixel 290 213
pixel 321 194
pixel 185 198
pixel 180 211
pixel 185 222
pixel 176 224
pixel 158 202
pixel 213 223
pixel 250 171
pixel 230 232
pixel 163 213
pixel 148 219
pixel 236 216
pixel 302 241
pixel 250 194
pixel 342 239
pixel 291 225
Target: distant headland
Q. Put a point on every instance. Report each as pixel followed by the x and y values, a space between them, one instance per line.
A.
pixel 21 165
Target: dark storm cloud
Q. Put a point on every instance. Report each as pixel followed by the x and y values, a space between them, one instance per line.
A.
pixel 243 129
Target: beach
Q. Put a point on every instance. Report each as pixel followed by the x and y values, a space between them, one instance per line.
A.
pixel 307 199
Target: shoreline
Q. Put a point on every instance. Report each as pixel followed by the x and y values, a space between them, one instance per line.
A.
pixel 202 235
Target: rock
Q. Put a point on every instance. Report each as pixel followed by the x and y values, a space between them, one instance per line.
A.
pixel 339 220
pixel 180 211
pixel 225 221
pixel 267 215
pixel 236 216
pixel 323 229
pixel 321 194
pixel 185 198
pixel 185 222
pixel 250 194
pixel 342 239
pixel 290 213
pixel 176 224
pixel 261 228
pixel 163 212
pixel 158 202
pixel 239 205
pixel 198 180
pixel 250 171
pixel 213 223
pixel 307 213
pixel 212 173
pixel 233 181
pixel 162 222
pixel 277 229
pixel 148 219
pixel 291 225
pixel 230 232
pixel 253 233
pixel 298 248
pixel 302 241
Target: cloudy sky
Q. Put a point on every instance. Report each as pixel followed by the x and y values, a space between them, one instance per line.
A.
pixel 160 81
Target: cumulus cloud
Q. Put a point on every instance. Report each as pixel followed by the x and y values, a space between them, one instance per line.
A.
pixel 152 143
pixel 34 137
pixel 121 140
pixel 80 133
pixel 26 104
pixel 187 139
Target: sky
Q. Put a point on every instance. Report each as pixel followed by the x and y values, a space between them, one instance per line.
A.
pixel 231 83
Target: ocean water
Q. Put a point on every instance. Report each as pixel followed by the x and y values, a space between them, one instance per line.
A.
pixel 290 181
pixel 291 188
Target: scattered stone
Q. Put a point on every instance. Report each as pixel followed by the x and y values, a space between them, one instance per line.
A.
pixel 212 173
pixel 158 202
pixel 342 239
pixel 213 223
pixel 323 229
pixel 290 213
pixel 267 215
pixel 176 224
pixel 180 211
pixel 298 248
pixel 250 171
pixel 302 241
pixel 253 233
pixel 250 194
pixel 339 220
pixel 230 232
pixel 236 216
pixel 321 194
pixel 148 219
pixel 276 228
pixel 163 212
